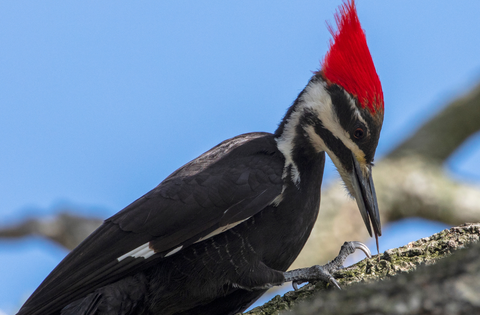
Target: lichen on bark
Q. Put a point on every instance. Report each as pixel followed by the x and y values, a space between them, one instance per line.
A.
pixel 404 280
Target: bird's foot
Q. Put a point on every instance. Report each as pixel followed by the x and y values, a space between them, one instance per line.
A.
pixel 324 273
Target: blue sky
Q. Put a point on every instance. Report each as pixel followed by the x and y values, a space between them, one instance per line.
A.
pixel 99 101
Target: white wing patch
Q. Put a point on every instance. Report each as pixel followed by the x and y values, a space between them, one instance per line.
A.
pixel 222 229
pixel 146 252
pixel 143 251
pixel 176 250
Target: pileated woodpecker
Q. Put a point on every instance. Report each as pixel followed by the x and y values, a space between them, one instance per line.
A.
pixel 220 230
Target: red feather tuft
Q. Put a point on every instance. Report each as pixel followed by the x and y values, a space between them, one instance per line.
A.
pixel 349 64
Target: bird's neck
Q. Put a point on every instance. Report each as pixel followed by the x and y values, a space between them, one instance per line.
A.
pixel 295 136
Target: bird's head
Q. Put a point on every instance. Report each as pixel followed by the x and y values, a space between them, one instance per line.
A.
pixel 356 119
pixel 341 111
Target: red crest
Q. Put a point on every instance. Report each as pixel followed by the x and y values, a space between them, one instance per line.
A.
pixel 348 62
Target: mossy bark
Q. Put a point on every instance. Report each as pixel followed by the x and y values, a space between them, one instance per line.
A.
pixel 434 275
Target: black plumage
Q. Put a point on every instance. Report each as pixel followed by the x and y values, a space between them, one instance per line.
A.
pixel 236 180
pixel 219 231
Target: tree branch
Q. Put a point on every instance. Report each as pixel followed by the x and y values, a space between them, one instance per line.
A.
pixel 64 228
pixel 413 279
pixel 437 139
pixel 410 182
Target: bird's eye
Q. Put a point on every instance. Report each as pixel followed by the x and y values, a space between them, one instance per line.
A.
pixel 359 133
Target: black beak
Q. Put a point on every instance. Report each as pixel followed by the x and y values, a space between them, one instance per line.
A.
pixel 366 198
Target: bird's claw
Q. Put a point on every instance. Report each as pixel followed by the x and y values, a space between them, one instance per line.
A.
pixel 359 245
pixel 330 279
pixel 295 284
pixel 335 283
pixel 326 276
pixel 324 273
pixel 347 249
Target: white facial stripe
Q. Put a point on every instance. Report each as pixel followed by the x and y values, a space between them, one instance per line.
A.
pixel 143 251
pixel 316 141
pixel 359 116
pixel 320 145
pixel 285 145
pixel 354 107
pixel 317 99
pixel 315 95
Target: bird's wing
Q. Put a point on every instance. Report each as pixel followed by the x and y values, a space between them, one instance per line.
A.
pixel 223 187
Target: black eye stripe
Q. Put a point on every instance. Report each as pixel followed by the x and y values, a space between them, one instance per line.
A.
pixel 347 115
pixel 343 154
pixel 335 145
pixel 341 104
pixel 349 121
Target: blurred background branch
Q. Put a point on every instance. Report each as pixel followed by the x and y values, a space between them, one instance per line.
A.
pixel 438 138
pixel 97 109
pixel 410 181
pixel 65 228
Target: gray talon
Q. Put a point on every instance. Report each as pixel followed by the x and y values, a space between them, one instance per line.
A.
pixel 363 248
pixel 325 272
pixel 334 282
